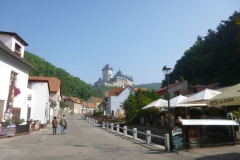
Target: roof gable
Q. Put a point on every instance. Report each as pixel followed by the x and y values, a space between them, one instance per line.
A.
pixel 10 52
pixel 54 83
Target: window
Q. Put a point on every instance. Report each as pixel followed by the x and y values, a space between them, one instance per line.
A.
pixel 17 48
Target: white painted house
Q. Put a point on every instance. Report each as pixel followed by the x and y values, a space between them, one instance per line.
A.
pixel 38 101
pixel 14 70
pixel 116 97
pixel 54 96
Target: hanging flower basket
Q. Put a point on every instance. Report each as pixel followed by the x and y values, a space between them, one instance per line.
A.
pixel 17 92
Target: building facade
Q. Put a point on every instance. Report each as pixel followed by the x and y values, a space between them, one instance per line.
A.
pixel 14 71
pixel 38 101
pixel 72 104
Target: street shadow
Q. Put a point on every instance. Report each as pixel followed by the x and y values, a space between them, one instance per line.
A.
pixel 225 156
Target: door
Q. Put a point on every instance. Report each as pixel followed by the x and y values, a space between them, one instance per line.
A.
pixel 16 114
pixel 29 113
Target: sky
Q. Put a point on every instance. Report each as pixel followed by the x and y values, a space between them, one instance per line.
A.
pixel 138 37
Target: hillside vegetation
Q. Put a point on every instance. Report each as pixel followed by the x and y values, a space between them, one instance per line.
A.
pixel 71 86
pixel 212 58
pixel 150 86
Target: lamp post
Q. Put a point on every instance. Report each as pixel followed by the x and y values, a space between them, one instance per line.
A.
pixel 166 71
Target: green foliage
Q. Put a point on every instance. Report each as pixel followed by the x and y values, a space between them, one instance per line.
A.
pixel 120 120
pixel 133 105
pixel 95 112
pixel 62 105
pixel 30 120
pixel 21 120
pixel 181 79
pixel 212 58
pixel 236 113
pixel 71 86
pixel 150 86
pixel 8 121
pixel 147 124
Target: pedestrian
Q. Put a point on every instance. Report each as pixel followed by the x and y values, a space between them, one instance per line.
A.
pixel 63 123
pixel 54 125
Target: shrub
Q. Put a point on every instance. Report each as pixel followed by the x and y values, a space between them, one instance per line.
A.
pixel 97 113
pixel 8 121
pixel 21 120
pixel 30 120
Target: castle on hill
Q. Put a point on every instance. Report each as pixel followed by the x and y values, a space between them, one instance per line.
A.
pixel 118 80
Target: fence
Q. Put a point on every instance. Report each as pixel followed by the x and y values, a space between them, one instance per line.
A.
pixel 116 128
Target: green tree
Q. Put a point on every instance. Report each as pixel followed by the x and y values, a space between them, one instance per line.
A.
pixel 133 105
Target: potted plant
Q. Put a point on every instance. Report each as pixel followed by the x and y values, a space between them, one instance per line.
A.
pixel 30 120
pixel 20 121
pixel 8 121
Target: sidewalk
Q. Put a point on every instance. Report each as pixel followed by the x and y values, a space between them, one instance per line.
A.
pixel 220 152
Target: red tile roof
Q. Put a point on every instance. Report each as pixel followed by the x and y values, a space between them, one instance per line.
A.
pixel 54 82
pixel 116 91
pixel 143 89
pixel 88 105
pixel 74 99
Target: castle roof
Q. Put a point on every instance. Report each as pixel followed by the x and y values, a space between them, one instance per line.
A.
pixel 120 74
pixel 107 67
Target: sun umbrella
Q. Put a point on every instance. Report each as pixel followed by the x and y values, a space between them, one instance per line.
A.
pixel 199 99
pixel 229 97
pixel 155 103
pixel 173 102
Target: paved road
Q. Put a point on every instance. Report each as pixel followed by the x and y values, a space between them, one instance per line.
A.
pixel 84 141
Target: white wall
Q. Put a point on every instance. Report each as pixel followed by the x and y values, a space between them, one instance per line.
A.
pixel 8 64
pixel 10 41
pixel 40 101
pixel 115 101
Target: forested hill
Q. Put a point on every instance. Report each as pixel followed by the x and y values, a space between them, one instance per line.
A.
pixel 71 86
pixel 212 58
pixel 150 86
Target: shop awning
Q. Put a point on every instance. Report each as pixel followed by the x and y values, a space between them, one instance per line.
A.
pixel 208 122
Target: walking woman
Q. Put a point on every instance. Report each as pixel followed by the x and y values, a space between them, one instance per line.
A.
pixel 54 125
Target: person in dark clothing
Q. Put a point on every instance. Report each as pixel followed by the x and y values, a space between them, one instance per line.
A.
pixel 54 125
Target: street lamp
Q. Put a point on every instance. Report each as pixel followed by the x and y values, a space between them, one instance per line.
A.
pixel 166 71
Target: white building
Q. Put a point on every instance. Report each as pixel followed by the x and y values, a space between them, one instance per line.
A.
pixel 116 97
pixel 55 93
pixel 38 101
pixel 72 104
pixel 14 71
pixel 118 80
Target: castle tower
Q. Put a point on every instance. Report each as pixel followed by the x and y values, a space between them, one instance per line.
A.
pixel 107 73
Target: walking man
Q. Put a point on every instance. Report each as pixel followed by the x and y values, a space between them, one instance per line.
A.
pixel 54 125
pixel 63 123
